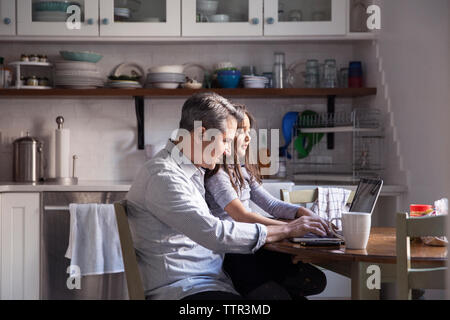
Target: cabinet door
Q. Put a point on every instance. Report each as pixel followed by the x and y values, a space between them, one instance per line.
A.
pixel 19 243
pixel 50 18
pixel 222 18
pixel 305 17
pixel 7 17
pixel 140 18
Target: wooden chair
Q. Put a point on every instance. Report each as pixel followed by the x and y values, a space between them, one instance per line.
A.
pixel 134 283
pixel 303 197
pixel 410 278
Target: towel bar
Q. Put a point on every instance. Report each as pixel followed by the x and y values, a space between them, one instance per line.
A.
pixel 56 208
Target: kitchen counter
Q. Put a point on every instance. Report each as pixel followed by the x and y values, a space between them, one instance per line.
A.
pixel 124 186
pixel 83 185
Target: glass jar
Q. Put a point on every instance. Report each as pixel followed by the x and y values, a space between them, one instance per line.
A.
pixel 32 81
pixel 330 74
pixel 279 71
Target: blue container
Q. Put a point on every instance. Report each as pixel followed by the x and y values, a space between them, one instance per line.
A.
pixel 355 69
pixel 229 79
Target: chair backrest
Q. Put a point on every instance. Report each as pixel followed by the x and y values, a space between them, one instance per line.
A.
pixel 407 277
pixel 305 196
pixel 134 282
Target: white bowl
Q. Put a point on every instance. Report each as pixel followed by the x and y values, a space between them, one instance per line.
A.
pixel 219 18
pixel 165 85
pixel 254 85
pixel 167 69
pixel 207 7
pixel 192 85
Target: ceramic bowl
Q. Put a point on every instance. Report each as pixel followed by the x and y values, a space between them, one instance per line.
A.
pixel 81 56
pixel 229 81
pixel 167 69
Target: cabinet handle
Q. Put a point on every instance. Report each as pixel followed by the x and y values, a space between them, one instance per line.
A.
pixel 90 21
pixel 7 20
pixel 255 21
pixel 105 21
pixel 270 20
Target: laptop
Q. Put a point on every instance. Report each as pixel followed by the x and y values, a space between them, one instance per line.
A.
pixel 365 199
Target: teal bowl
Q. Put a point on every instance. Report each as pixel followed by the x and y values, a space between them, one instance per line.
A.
pixel 81 56
pixel 229 79
pixel 60 6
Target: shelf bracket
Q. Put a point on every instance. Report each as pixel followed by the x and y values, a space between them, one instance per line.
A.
pixel 139 106
pixel 331 102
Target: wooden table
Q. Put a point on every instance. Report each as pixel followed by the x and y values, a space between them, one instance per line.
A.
pixel 380 251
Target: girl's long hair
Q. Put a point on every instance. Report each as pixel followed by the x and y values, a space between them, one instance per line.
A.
pixel 234 170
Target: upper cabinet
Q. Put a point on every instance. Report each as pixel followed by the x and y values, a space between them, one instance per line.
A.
pixel 305 17
pixel 222 18
pixel 7 17
pixel 140 18
pixel 175 18
pixel 51 18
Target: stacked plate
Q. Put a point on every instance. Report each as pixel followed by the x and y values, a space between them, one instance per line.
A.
pixel 124 84
pixel 122 12
pixel 255 82
pixel 165 80
pixel 77 75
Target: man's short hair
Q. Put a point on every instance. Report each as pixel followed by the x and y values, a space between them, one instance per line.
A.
pixel 210 108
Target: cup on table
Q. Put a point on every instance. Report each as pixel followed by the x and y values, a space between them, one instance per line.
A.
pixel 355 228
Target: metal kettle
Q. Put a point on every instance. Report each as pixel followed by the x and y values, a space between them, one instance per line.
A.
pixel 28 160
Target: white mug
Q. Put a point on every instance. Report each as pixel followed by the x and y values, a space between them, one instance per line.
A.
pixel 356 229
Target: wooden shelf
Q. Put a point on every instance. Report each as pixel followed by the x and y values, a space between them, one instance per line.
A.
pixel 170 93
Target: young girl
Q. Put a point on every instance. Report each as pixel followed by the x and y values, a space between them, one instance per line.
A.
pixel 229 188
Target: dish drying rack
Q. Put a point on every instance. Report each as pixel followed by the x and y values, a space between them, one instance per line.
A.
pixel 311 160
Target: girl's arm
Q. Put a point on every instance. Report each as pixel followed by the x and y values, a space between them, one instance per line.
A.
pixel 237 211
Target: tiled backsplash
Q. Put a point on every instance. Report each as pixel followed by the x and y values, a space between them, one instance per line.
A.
pixel 103 131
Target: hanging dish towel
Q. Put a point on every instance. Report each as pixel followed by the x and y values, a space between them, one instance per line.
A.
pixel 94 244
pixel 330 203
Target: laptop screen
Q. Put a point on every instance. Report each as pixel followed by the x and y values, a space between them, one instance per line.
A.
pixel 366 195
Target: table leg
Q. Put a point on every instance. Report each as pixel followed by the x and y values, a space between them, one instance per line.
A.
pixel 359 277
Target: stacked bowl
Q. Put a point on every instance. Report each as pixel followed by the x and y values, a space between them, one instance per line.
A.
pixel 255 82
pixel 50 11
pixel 165 77
pixel 207 7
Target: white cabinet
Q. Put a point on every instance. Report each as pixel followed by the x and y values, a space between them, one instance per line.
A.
pixel 19 246
pixel 228 18
pixel 160 18
pixel 175 18
pixel 305 17
pixel 7 17
pixel 50 18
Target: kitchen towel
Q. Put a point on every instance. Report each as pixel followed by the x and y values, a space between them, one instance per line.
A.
pixel 62 153
pixel 330 203
pixel 94 244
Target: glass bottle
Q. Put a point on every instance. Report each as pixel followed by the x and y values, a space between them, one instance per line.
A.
pixel 2 74
pixel 279 71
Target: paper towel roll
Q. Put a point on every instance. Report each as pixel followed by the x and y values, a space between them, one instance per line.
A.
pixel 62 153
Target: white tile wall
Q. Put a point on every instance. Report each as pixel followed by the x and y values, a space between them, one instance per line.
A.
pixel 103 131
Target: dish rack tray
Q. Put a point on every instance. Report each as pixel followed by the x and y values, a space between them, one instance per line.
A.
pixel 358 153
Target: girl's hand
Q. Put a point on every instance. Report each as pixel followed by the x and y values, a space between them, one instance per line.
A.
pixel 304 212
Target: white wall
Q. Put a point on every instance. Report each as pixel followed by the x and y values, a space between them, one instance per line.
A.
pixel 413 46
pixel 414 53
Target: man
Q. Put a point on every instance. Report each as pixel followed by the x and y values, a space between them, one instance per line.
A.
pixel 179 243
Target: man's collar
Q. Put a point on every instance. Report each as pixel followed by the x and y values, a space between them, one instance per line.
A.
pixel 184 162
